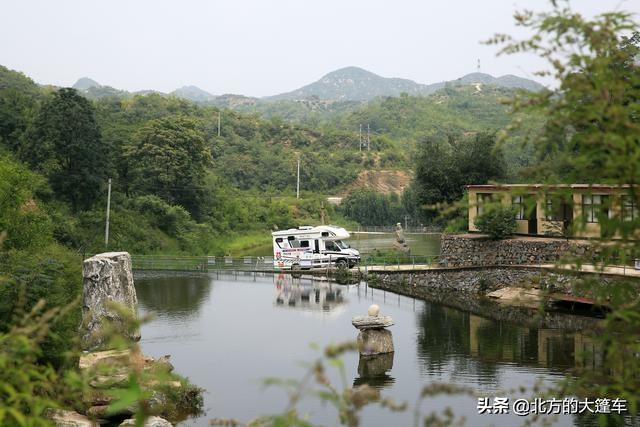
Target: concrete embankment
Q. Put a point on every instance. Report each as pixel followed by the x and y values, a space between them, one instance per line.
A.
pixel 467 289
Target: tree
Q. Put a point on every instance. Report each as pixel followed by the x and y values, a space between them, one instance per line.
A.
pixel 594 128
pixel 21 215
pixel 168 157
pixel 64 144
pixel 370 208
pixel 443 168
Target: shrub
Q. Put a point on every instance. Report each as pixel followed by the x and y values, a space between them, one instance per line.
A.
pixel 497 221
pixel 52 274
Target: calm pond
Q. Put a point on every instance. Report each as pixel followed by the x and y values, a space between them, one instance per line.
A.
pixel 227 332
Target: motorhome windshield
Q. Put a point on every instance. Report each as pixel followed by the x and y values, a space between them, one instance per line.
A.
pixel 341 244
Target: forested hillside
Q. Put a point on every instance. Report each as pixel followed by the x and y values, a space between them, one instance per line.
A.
pixel 180 184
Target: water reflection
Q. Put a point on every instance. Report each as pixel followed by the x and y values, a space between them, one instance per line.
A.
pixel 257 325
pixel 373 371
pixel 307 293
pixel 447 337
pixel 173 297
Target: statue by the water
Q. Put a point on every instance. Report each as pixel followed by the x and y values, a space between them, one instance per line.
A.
pixel 400 244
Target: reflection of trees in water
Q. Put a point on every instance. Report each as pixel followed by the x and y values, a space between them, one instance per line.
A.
pixel 448 336
pixel 173 296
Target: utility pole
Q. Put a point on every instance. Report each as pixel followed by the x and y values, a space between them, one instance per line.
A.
pixel 368 138
pixel 106 226
pixel 219 122
pixel 406 218
pixel 322 212
pixel 298 181
pixel 360 143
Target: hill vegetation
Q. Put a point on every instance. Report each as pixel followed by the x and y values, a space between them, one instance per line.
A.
pixel 169 196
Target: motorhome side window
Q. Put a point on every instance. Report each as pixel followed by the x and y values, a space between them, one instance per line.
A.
pixel 304 244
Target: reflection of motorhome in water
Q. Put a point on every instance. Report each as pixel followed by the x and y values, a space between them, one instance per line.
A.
pixel 309 247
pixel 307 293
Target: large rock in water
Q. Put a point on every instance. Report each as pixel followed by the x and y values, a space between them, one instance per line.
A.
pixel 375 341
pixel 107 278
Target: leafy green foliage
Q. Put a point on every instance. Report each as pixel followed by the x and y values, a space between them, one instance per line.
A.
pixel 497 221
pixel 168 157
pixel 593 135
pixel 33 265
pixel 51 274
pixel 368 207
pixel 453 110
pixel 29 388
pixel 444 168
pixel 21 215
pixel 19 98
pixel 64 143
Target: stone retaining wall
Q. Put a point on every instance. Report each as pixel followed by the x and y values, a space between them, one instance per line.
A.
pixel 458 250
pixel 465 289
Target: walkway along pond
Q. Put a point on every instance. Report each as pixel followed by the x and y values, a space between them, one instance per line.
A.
pixel 227 331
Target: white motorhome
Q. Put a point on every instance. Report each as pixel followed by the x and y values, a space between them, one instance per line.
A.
pixel 309 247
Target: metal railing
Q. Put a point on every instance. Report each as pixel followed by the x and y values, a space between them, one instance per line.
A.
pixel 201 263
pixel 392 229
pixel 265 263
pixel 368 263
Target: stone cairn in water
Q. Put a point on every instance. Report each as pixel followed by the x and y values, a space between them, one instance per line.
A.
pixel 373 338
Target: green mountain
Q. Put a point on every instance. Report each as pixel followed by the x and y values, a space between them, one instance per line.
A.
pixel 85 83
pixel 356 84
pixel 193 93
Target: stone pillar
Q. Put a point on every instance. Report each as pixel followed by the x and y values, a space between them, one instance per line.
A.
pixel 107 278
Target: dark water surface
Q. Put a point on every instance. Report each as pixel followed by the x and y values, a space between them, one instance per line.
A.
pixel 228 332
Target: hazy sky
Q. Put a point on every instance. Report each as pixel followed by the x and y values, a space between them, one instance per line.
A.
pixel 260 47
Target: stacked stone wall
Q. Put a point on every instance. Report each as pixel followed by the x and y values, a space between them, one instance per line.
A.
pixel 477 250
pixel 466 289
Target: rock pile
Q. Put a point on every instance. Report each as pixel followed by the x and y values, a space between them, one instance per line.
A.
pixel 108 280
pixel 373 338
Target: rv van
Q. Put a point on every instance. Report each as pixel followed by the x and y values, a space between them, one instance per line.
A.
pixel 308 247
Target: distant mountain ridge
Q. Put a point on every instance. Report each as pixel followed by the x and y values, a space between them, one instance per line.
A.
pixel 193 93
pixel 357 84
pixel 343 85
pixel 85 83
pixel 352 84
